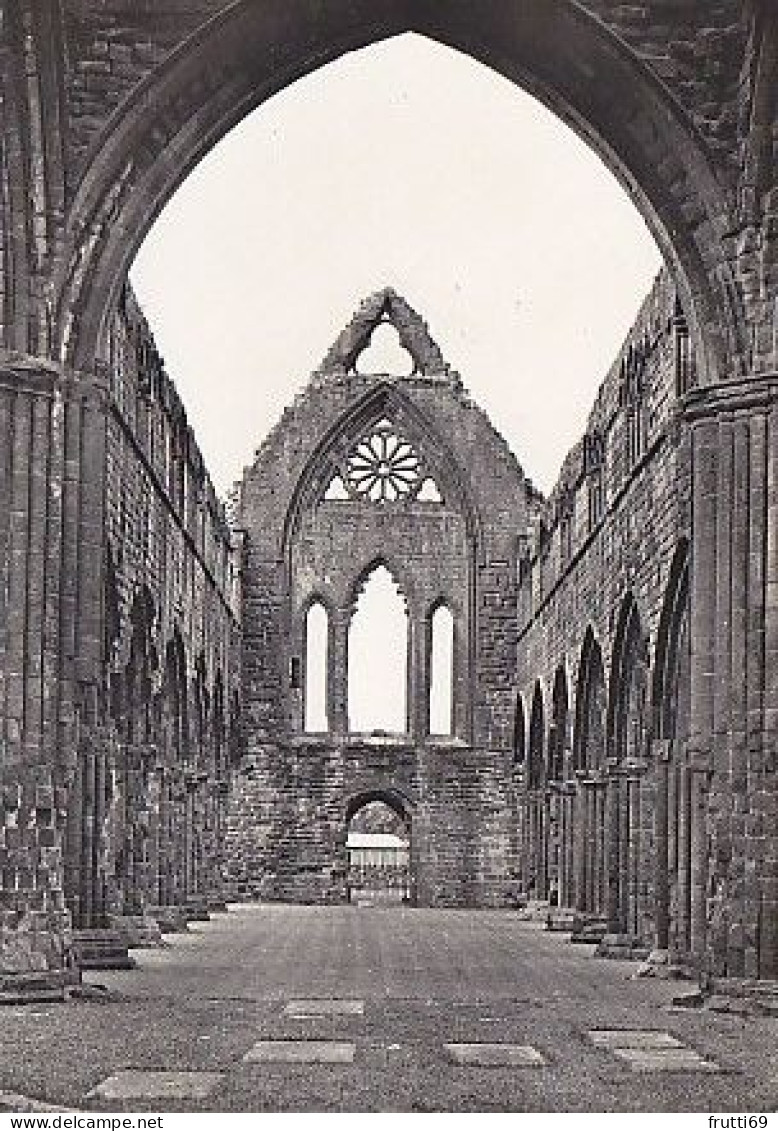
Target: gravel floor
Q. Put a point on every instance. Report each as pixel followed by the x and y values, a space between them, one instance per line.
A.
pixel 427 978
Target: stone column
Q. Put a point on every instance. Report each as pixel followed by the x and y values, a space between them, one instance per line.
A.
pixel 337 674
pixel 418 677
pixel 661 753
pixel 580 821
pixel 636 863
pixel 613 846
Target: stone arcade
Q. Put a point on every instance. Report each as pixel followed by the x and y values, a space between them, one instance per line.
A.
pixel 614 705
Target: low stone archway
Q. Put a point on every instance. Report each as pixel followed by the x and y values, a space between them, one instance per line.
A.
pixel 381 860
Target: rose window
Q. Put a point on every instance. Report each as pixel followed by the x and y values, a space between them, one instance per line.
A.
pixel 384 468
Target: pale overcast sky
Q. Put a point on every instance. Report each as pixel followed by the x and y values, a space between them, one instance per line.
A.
pixel 403 165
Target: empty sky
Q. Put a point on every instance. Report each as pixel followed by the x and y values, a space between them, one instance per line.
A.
pixel 403 165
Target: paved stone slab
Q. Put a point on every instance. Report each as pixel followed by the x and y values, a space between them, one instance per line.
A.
pixel 301 1052
pixel 633 1039
pixel 324 1007
pixel 483 1055
pixel 665 1060
pixel 14 1102
pixel 141 1084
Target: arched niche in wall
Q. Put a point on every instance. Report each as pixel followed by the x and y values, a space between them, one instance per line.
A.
pixel 177 698
pixel 219 726
pixel 557 736
pixel 138 673
pixel 671 673
pixel 535 757
pixel 202 703
pixel 441 680
pixel 378 657
pixel 590 707
pixel 316 676
pixel 629 687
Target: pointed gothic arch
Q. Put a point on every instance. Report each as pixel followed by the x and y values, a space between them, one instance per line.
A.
pixel 671 674
pixel 382 402
pixel 316 652
pixel 140 666
pixel 535 753
pixel 589 738
pixel 442 652
pixel 557 734
pixel 675 817
pixel 219 727
pixel 248 52
pixel 177 695
pixel 628 710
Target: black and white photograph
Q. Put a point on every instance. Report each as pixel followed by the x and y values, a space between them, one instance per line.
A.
pixel 388 560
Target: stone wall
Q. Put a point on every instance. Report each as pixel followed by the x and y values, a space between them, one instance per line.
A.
pixel 653 812
pixel 171 614
pixel 289 809
pixel 112 548
pixel 457 547
pixel 581 562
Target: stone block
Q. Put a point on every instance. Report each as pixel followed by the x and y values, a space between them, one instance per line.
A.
pixel 100 949
pixel 622 946
pixel 34 986
pixel 489 1055
pixel 301 1052
pixel 137 931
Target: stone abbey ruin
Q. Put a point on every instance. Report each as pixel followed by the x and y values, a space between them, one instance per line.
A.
pixel 607 743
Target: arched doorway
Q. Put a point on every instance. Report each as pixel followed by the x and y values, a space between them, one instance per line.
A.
pixel 378 849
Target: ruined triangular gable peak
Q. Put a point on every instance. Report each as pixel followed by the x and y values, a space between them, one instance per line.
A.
pixel 385 307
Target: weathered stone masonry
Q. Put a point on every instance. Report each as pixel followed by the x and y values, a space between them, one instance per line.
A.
pixel 119 684
pixel 621 813
pixel 458 550
pixel 105 108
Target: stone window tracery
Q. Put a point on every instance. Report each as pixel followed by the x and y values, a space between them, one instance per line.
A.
pixel 382 467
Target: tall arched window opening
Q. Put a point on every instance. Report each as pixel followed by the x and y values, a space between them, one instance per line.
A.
pixel 316 664
pixel 378 658
pixel 441 703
